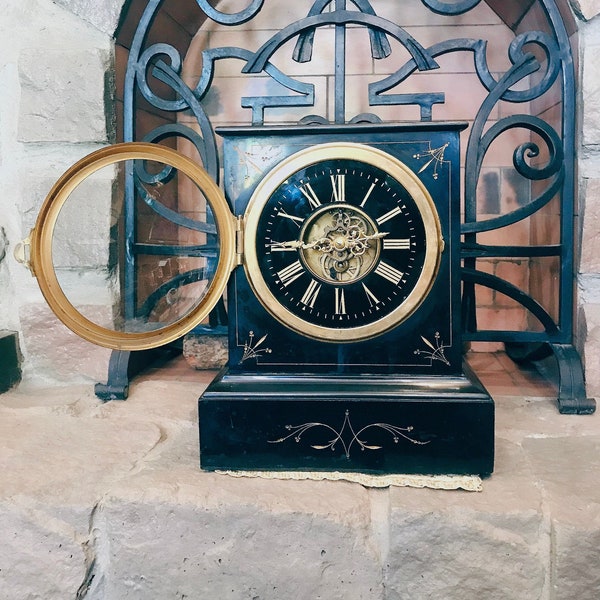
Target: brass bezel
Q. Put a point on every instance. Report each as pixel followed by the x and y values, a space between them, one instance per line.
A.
pixel 434 244
pixel 41 246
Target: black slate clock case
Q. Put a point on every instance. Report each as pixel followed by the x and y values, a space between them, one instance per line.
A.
pixel 400 350
pixel 399 402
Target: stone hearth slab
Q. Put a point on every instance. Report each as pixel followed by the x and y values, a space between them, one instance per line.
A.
pixel 107 501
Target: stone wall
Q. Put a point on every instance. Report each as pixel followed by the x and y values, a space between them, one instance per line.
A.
pixel 588 337
pixel 54 109
pixel 55 68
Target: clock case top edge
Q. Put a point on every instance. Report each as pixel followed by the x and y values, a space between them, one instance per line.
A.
pixel 336 129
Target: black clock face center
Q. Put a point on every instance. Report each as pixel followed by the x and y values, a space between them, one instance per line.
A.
pixel 343 245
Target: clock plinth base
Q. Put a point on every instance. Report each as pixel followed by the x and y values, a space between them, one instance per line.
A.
pixel 379 425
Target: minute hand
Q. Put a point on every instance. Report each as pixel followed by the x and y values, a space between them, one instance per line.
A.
pixel 374 236
pixel 341 243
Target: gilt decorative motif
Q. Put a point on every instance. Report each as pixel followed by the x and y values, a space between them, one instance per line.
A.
pixel 252 348
pixel 434 157
pixel 346 436
pixel 435 349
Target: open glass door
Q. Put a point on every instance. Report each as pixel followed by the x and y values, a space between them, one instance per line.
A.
pixel 184 251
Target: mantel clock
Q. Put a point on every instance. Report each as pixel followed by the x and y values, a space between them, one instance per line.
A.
pixel 345 350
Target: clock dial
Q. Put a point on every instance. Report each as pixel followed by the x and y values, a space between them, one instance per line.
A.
pixel 342 242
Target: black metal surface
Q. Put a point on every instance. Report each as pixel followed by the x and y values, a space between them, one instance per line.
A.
pixel 10 360
pixel 365 424
pixel 124 365
pixel 539 60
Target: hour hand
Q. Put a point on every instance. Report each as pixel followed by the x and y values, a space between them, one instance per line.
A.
pixel 283 246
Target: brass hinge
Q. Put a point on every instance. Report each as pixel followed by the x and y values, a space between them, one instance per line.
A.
pixel 22 252
pixel 239 240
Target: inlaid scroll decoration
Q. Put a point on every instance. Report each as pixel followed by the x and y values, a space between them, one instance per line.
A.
pixel 346 436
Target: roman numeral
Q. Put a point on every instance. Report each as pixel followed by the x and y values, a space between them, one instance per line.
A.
pixel 310 195
pixel 368 194
pixel 340 302
pixel 290 273
pixel 390 273
pixel 399 244
pixel 338 183
pixel 389 215
pixel 311 293
pixel 370 296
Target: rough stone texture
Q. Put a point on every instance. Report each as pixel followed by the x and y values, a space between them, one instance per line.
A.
pixel 102 14
pixel 591 353
pixel 475 546
pixel 57 354
pixel 108 499
pixel 590 85
pixel 62 95
pixel 590 243
pixel 40 555
pixel 205 351
pixel 235 552
pixel 574 509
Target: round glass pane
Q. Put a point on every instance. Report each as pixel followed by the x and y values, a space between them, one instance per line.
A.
pixel 133 246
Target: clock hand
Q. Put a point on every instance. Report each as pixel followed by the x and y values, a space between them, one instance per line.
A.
pixel 286 245
pixel 343 242
pixel 297 244
pixel 374 236
pixel 326 244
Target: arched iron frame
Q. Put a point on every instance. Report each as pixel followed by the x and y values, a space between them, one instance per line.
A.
pixel 552 61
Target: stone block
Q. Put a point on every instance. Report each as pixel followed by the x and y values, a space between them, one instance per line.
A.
pixel 62 95
pixel 130 515
pixel 590 87
pixel 591 348
pixel 590 242
pixel 40 556
pixel 576 549
pixel 58 457
pixel 475 546
pixel 54 353
pixel 103 15
pixel 205 351
pixel 465 554
pixel 569 469
pixel 156 526
pixel 168 550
